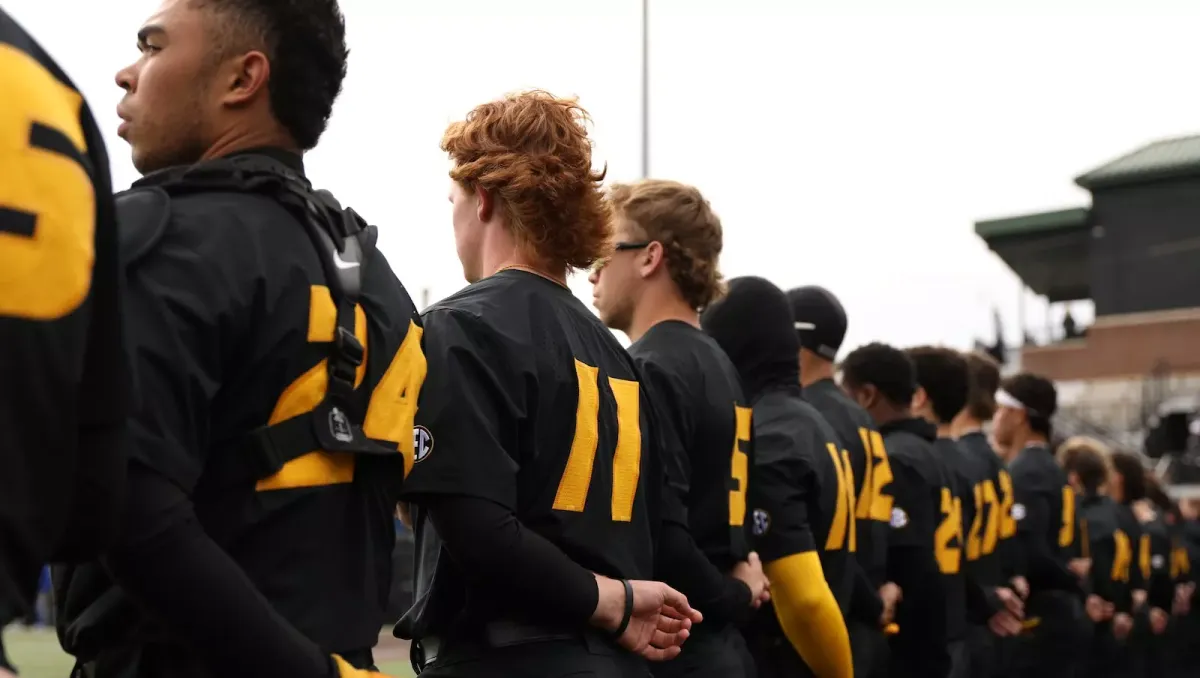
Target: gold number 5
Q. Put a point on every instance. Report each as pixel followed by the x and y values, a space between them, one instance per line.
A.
pixel 739 466
pixel 47 203
pixel 1066 533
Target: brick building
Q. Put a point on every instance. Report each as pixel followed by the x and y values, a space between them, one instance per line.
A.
pixel 1135 253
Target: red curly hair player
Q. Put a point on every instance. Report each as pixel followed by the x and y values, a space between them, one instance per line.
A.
pixel 535 487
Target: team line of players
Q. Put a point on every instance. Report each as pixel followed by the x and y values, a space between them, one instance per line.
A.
pixel 946 555
pixel 867 528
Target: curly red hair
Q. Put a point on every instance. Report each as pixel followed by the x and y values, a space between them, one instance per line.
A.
pixel 532 152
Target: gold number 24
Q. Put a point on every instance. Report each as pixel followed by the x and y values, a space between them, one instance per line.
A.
pixel 987 501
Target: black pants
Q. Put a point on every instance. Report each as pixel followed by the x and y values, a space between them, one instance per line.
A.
pixel 1052 648
pixel 1158 655
pixel 1001 657
pixel 960 662
pixel 710 654
pixel 167 660
pixel 870 649
pixel 587 656
pixel 981 652
pixel 5 663
pixel 774 657
pixel 1183 655
pixel 1107 657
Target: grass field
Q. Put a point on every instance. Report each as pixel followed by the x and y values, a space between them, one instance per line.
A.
pixel 37 654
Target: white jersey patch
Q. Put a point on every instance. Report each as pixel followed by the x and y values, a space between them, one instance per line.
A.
pixel 1018 512
pixel 422 443
pixel 899 517
pixel 761 522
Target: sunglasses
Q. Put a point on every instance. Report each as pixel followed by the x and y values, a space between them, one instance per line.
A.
pixel 620 247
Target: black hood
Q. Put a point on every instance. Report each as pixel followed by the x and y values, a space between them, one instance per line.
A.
pixel 914 425
pixel 753 324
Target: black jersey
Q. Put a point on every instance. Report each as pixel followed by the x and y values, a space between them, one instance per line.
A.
pixel 1044 510
pixel 531 403
pixel 990 540
pixel 230 320
pixel 982 530
pixel 1111 548
pixel 705 424
pixel 872 473
pixel 802 489
pixel 1139 546
pixel 922 546
pixel 958 512
pixel 64 391
pixel 1154 560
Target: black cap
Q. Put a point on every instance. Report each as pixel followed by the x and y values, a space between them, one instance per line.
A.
pixel 820 320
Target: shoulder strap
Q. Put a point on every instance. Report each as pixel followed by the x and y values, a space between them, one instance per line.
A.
pixel 143 214
pixel 344 243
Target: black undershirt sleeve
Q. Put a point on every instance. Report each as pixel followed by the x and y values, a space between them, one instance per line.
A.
pixel 865 603
pixel 165 560
pixel 492 547
pixel 680 562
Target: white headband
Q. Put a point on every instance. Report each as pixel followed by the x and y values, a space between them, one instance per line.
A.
pixel 1006 399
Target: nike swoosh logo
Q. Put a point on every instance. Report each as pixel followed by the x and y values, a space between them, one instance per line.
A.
pixel 343 264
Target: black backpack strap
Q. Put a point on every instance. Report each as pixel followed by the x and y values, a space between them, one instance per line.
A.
pixel 344 243
pixel 143 214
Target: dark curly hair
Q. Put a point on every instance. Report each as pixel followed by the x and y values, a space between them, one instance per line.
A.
pixel 885 367
pixel 1087 458
pixel 305 41
pixel 943 373
pixel 678 216
pixel 532 152
pixel 985 380
pixel 1038 395
pixel 1133 473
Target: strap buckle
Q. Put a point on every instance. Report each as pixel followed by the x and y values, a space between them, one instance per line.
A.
pixel 348 346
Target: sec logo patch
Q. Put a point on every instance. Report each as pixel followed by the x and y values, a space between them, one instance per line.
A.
pixel 1158 561
pixel 422 443
pixel 761 522
pixel 1018 512
pixel 899 518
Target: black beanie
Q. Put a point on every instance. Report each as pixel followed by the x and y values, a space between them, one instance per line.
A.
pixel 753 324
pixel 820 320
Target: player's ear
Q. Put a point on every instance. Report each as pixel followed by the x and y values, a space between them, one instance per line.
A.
pixel 652 258
pixel 1073 479
pixel 246 76
pixel 919 399
pixel 487 204
pixel 866 396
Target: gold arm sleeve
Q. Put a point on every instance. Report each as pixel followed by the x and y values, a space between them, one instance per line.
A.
pixel 809 614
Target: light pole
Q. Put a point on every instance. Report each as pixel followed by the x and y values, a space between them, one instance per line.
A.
pixel 645 89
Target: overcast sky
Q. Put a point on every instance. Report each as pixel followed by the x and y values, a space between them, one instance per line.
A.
pixel 843 142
